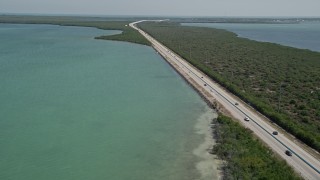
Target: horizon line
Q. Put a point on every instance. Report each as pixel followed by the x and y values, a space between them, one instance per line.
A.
pixel 135 16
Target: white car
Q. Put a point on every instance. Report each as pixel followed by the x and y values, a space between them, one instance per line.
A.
pixel 247 119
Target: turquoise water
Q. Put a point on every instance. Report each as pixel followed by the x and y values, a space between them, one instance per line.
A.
pixel 77 108
pixel 305 35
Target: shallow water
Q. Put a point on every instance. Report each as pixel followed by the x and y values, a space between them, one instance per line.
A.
pixel 305 35
pixel 77 108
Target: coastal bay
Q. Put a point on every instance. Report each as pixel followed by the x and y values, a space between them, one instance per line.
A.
pixel 75 107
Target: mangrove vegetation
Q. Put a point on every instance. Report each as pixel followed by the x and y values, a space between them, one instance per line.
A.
pixel 281 82
pixel 245 157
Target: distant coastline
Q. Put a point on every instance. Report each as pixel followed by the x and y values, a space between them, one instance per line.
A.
pixel 303 34
pixel 128 34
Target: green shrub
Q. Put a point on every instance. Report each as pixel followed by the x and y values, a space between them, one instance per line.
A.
pixel 246 158
pixel 255 72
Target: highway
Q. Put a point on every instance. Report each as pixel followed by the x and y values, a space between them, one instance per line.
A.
pixel 304 163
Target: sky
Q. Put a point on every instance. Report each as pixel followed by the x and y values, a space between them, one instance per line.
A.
pixel 165 7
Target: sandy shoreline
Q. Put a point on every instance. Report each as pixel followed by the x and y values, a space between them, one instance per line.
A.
pixel 208 164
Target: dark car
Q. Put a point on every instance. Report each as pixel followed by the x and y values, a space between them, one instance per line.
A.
pixel 289 153
pixel 236 104
pixel 275 132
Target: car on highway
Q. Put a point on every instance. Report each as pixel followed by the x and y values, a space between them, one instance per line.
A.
pixel 247 119
pixel 205 84
pixel 275 132
pixel 236 104
pixel 288 153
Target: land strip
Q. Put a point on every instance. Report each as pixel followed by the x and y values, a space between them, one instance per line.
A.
pixel 127 34
pixel 280 82
pixel 304 163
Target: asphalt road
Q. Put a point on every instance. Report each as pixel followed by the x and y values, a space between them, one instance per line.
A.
pixel 303 162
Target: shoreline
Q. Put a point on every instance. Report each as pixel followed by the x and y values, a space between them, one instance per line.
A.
pixel 276 53
pixel 208 165
pixel 266 37
pixel 190 128
pixel 228 104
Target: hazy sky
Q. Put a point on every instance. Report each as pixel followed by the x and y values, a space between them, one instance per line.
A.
pixel 166 7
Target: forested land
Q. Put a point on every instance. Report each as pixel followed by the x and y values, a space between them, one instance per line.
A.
pixel 245 157
pixel 128 34
pixel 281 82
